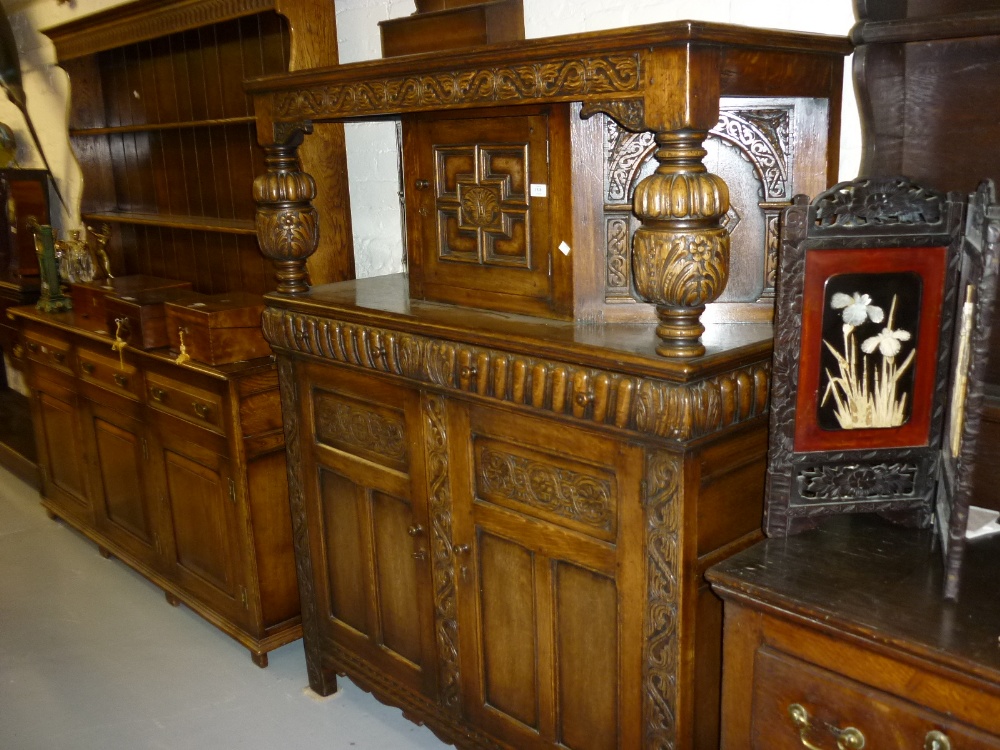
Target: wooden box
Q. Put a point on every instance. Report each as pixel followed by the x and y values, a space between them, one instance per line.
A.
pixel 219 328
pixel 89 296
pixel 451 24
pixel 142 316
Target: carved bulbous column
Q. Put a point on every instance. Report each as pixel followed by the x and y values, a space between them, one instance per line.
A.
pixel 287 222
pixel 680 254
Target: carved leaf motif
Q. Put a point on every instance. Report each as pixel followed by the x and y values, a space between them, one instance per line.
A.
pixel 680 269
pixel 660 650
pixel 567 493
pixel 287 234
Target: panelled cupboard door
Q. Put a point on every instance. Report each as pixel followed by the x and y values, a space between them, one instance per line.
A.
pixel 550 634
pixel 121 479
pixel 61 449
pixel 368 523
pixel 201 542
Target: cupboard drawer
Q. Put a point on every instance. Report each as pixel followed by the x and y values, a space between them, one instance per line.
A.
pixel 194 404
pixel 795 702
pixel 110 373
pixel 50 351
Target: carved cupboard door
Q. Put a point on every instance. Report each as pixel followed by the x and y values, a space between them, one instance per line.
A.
pixel 547 535
pixel 120 478
pixel 368 527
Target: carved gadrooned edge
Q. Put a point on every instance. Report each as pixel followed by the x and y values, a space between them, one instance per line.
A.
pixel 443 566
pixel 379 683
pixel 676 412
pixel 551 80
pixel 660 662
pixel 153 23
pixel 288 390
pixel 878 203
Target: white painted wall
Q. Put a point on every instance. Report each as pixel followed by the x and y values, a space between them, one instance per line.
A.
pixel 372 158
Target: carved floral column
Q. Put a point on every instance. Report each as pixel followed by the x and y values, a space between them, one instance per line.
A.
pixel 287 222
pixel 680 254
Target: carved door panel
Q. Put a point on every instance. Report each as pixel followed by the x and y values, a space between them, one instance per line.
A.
pixel 61 449
pixel 119 477
pixel 549 581
pixel 368 523
pixel 481 227
pixel 201 537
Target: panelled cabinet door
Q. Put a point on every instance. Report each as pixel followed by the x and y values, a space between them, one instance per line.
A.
pixel 550 640
pixel 367 523
pixel 120 479
pixel 201 539
pixel 61 451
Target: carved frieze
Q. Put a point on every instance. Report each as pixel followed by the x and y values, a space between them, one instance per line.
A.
pixel 584 497
pixel 675 411
pixel 828 482
pixel 660 663
pixel 877 202
pixel 356 428
pixel 558 79
pixel 443 559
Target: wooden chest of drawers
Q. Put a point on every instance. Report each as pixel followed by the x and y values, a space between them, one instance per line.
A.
pixel 841 635
pixel 179 471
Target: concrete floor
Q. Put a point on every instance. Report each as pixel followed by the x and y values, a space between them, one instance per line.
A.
pixel 92 656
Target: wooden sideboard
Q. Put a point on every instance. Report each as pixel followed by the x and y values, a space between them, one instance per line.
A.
pixel 177 470
pixel 502 522
pixel 840 635
pixel 503 504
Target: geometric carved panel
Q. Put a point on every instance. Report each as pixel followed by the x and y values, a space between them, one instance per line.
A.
pixel 483 214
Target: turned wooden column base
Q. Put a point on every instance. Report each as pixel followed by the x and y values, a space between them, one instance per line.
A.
pixel 680 331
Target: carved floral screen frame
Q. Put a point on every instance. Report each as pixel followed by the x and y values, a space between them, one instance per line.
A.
pixel 881 277
pixel 871 226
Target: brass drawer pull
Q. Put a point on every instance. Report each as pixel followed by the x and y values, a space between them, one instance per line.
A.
pixel 936 740
pixel 200 409
pixel 121 380
pixel 59 357
pixel 87 367
pixel 159 395
pixel 847 739
pixel 32 347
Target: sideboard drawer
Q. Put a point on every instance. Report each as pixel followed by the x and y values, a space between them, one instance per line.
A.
pixel 191 403
pixel 796 703
pixel 50 351
pixel 111 373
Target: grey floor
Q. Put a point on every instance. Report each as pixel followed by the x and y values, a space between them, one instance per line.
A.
pixel 92 656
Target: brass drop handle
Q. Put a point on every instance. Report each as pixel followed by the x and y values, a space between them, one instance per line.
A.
pixel 159 395
pixel 936 740
pixel 121 380
pixel 421 184
pixel 59 357
pixel 415 530
pixel 200 409
pixel 87 367
pixel 847 739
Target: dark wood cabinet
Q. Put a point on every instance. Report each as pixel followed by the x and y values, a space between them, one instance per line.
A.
pixel 178 470
pixel 839 637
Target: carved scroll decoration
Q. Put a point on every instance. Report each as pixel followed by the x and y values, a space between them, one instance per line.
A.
pixel 556 80
pixel 663 483
pixel 443 559
pixel 617 282
pixel 338 422
pixel 288 390
pixel 877 202
pixel 570 494
pixel 829 482
pixel 674 411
